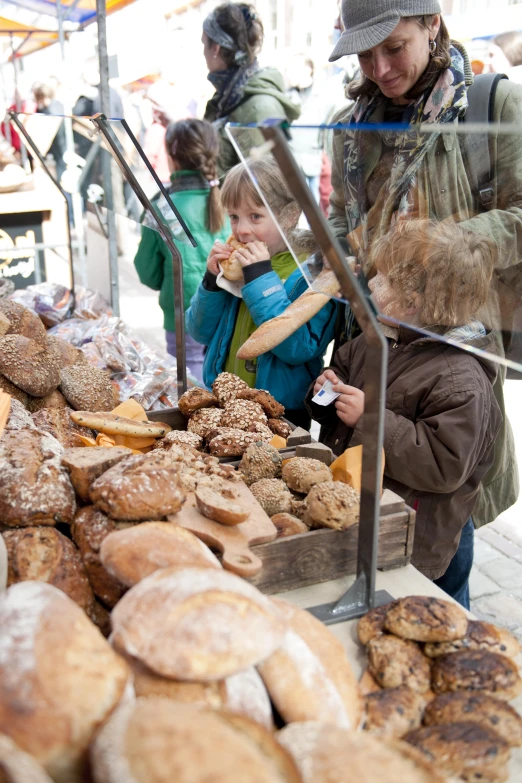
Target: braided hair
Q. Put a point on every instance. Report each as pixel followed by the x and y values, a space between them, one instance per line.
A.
pixel 194 145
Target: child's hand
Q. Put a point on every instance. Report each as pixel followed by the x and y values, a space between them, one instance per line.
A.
pixel 219 252
pixel 328 375
pixel 350 405
pixel 252 253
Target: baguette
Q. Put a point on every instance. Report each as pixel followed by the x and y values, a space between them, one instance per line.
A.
pixel 111 424
pixel 275 331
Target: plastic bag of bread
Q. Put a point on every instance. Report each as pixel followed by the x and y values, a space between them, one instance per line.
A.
pixel 51 301
pixel 90 304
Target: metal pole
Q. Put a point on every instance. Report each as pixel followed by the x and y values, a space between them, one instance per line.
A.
pixel 103 59
pixel 69 143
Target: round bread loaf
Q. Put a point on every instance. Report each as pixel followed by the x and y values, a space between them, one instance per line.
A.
pixel 230 442
pixel 59 678
pixel 279 427
pixel 479 636
pixel 17 766
pixel 30 365
pixel 86 465
pixel 309 676
pixel 9 388
pixel 260 460
pixel 220 503
pixel 43 554
pixel 372 623
pixel 426 619
pixel 273 496
pixel 204 421
pixel 141 487
pixel 19 417
pixel 194 399
pixel 132 554
pixel 288 525
pixel 179 438
pixel 196 623
pixel 241 414
pixel 328 754
pixel 226 387
pixel 333 504
pixel 53 400
pixel 89 529
pixel 87 388
pixel 34 487
pixel 68 354
pixel 394 662
pixel 476 670
pixel 479 708
pixel 466 750
pixel 157 740
pixel 392 712
pixel 243 693
pixel 58 423
pixel 272 408
pixel 302 473
pixel 23 321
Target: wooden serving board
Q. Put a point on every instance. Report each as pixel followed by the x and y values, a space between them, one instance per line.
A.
pixel 231 542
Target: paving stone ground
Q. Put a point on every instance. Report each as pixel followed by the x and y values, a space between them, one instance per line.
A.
pixel 496 578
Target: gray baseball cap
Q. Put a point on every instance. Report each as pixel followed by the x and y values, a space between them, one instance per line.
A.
pixel 368 22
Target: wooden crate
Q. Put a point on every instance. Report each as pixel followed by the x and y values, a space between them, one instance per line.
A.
pixel 321 555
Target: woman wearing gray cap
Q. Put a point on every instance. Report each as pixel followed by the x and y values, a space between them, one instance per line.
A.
pixel 412 73
pixel 245 93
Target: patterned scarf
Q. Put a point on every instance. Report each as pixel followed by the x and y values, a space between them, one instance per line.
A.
pixel 399 197
pixel 230 86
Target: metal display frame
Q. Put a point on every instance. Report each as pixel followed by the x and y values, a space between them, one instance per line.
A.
pixel 362 595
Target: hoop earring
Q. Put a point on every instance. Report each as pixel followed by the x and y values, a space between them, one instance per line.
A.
pixel 433 48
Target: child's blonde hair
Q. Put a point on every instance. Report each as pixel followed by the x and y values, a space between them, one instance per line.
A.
pixel 447 263
pixel 239 188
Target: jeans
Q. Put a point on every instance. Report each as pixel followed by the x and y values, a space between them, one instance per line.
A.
pixel 194 353
pixel 455 582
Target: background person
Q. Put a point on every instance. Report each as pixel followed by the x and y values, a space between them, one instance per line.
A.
pixel 46 103
pixel 192 149
pixel 412 73
pixel 245 93
pixel 505 55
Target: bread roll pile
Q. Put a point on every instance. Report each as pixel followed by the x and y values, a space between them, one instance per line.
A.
pixel 442 683
pixel 230 418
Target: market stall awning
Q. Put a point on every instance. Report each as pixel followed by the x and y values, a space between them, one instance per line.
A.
pixel 82 12
pixel 26 39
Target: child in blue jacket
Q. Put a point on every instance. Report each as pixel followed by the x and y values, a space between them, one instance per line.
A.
pixel 272 280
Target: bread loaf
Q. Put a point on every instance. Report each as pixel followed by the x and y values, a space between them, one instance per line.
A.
pixel 59 678
pixel 196 623
pixel 29 364
pixel 158 740
pixel 112 424
pixel 58 423
pixel 86 465
pixel 23 321
pixel 89 529
pixel 131 555
pixel 17 766
pixel 68 354
pixel 87 388
pixel 328 754
pixel 309 676
pixel 53 400
pixel 231 266
pixel 43 554
pixel 34 488
pixel 9 388
pixel 426 619
pixel 275 331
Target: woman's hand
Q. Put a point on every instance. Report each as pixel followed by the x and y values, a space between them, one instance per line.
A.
pixel 328 375
pixel 252 253
pixel 350 405
pixel 219 252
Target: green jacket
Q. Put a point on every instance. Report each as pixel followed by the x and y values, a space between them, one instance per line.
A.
pixel 263 98
pixel 153 260
pixel 444 180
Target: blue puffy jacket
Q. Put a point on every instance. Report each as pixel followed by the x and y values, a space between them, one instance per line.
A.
pixel 286 371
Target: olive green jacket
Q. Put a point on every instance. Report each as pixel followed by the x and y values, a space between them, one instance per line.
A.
pixel 443 179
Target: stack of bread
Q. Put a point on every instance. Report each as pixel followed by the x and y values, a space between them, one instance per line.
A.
pixel 230 418
pixel 298 494
pixel 442 682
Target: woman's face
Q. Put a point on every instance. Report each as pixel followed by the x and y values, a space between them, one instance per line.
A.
pixel 211 53
pixel 250 222
pixel 398 62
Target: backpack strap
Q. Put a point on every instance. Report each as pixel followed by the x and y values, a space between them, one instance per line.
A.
pixel 481 100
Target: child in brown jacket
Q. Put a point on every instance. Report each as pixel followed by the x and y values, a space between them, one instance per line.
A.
pixel 441 416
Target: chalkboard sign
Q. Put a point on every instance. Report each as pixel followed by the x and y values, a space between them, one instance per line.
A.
pixel 19 233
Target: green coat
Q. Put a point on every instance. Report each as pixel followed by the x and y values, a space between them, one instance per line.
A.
pixel 263 98
pixel 444 180
pixel 153 260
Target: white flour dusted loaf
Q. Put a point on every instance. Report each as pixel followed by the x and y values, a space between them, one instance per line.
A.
pixel 17 766
pixel 196 624
pixel 59 678
pixel 160 741
pixel 309 677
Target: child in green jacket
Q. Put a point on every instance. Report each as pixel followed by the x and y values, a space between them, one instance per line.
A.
pixel 192 150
